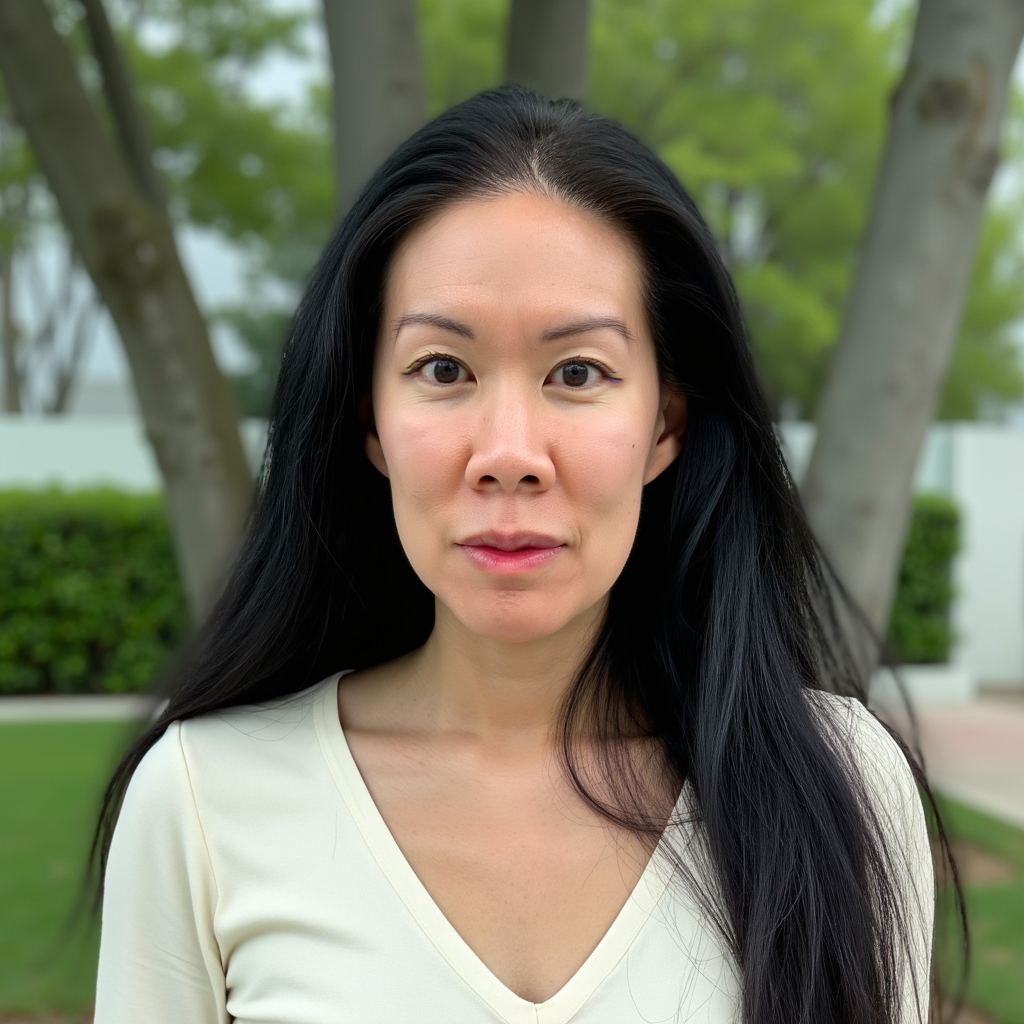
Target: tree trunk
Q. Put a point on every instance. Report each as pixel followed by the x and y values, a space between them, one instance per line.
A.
pixel 129 250
pixel 909 290
pixel 9 336
pixel 378 90
pixel 547 47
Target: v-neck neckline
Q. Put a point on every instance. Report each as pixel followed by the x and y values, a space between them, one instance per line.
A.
pixel 458 954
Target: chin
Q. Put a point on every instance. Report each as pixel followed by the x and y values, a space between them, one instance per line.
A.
pixel 522 623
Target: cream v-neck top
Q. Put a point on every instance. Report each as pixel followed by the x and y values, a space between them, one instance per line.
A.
pixel 251 878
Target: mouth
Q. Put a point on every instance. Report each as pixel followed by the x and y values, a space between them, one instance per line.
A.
pixel 510 553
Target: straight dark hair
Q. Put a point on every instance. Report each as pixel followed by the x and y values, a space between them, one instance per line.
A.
pixel 718 629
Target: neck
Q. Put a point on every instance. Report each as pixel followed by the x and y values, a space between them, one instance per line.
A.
pixel 495 690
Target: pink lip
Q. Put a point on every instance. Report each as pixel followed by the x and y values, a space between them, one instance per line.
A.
pixel 510 553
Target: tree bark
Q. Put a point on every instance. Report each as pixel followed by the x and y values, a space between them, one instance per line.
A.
pixel 547 47
pixel 9 336
pixel 129 250
pixel 378 91
pixel 909 290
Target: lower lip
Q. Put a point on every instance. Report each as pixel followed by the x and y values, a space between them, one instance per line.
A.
pixel 509 563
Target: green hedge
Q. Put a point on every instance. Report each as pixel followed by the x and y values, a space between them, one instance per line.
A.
pixel 90 600
pixel 919 629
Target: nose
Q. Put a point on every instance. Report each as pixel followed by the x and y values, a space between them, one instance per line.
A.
pixel 510 452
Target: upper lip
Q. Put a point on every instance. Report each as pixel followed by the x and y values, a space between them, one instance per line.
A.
pixel 511 541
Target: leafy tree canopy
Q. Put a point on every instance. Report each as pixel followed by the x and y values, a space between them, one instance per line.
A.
pixel 772 113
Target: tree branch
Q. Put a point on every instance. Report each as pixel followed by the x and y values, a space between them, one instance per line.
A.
pixel 132 133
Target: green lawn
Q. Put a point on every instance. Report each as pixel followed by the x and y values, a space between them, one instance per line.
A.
pixel 51 776
pixel 995 911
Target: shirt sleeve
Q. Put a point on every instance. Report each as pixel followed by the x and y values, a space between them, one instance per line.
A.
pixel 159 960
pixel 899 813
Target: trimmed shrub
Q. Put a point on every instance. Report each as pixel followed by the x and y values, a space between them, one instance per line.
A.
pixel 919 629
pixel 90 600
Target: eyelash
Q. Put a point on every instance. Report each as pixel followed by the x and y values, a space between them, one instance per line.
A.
pixel 575 360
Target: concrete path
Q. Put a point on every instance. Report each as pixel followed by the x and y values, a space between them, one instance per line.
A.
pixel 85 707
pixel 975 754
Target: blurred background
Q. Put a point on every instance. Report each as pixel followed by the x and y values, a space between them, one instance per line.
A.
pixel 169 171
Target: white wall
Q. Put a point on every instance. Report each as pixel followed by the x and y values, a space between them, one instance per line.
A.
pixel 981 467
pixel 89 451
pixel 988 615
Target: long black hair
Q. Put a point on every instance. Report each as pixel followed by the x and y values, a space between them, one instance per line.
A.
pixel 717 630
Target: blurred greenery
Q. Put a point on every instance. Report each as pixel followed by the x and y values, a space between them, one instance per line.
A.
pixel 51 778
pixel 919 628
pixel 262 331
pixel 772 112
pixel 995 910
pixel 89 593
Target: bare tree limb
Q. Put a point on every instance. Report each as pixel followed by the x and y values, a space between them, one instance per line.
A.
pixel 129 250
pixel 908 293
pixel 132 132
pixel 377 75
pixel 9 336
pixel 66 375
pixel 547 47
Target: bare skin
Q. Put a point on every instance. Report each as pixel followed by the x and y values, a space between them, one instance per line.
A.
pixel 517 412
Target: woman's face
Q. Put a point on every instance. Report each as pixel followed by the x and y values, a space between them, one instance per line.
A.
pixel 517 410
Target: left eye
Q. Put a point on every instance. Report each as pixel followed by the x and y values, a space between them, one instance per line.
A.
pixel 576 374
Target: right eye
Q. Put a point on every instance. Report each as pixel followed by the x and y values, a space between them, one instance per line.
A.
pixel 444 370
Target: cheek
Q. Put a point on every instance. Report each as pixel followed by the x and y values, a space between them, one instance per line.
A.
pixel 424 454
pixel 601 464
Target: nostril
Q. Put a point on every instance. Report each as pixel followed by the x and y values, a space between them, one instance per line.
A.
pixel 530 480
pixel 487 480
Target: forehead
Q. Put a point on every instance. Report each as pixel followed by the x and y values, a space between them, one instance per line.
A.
pixel 517 250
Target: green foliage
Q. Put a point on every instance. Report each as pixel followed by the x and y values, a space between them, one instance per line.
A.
pixel 255 171
pixel 263 333
pixel 89 595
pixel 16 172
pixel 919 628
pixel 464 46
pixel 986 367
pixel 773 114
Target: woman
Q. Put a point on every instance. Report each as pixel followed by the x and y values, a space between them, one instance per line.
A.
pixel 521 480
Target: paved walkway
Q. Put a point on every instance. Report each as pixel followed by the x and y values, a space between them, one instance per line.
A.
pixel 85 707
pixel 975 754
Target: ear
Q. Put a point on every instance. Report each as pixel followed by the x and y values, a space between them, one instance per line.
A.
pixel 374 449
pixel 669 432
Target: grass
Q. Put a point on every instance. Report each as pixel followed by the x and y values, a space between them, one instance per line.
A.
pixel 51 776
pixel 995 910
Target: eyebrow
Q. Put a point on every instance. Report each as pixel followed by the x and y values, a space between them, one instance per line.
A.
pixel 594 323
pixel 446 323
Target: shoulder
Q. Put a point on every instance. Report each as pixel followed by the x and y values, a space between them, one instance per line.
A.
pixel 871 751
pixel 238 744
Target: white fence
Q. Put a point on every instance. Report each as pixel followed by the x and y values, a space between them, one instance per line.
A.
pixel 981 467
